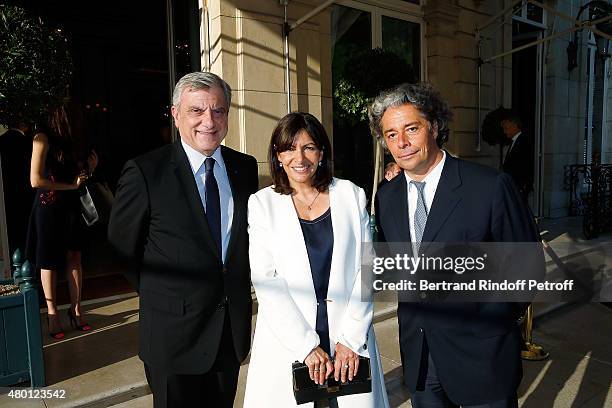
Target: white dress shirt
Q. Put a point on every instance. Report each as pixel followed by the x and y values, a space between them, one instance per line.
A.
pixel 511 145
pixel 196 160
pixel 431 184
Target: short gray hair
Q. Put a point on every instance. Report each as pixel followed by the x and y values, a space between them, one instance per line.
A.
pixel 423 97
pixel 201 80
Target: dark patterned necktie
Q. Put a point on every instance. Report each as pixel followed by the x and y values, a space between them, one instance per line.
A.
pixel 213 202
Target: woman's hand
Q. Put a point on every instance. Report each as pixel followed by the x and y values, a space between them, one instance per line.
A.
pixel 391 171
pixel 92 161
pixel 319 365
pixel 346 363
pixel 81 178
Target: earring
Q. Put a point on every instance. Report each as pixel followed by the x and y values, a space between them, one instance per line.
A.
pixel 321 163
pixel 280 165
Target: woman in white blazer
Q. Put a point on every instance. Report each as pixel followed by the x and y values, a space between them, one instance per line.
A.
pixel 305 242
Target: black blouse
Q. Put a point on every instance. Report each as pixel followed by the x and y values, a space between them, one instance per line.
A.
pixel 319 238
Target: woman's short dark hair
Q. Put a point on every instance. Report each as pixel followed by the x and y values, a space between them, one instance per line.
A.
pixel 282 140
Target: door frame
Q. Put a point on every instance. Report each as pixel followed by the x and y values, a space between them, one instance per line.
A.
pixel 407 12
pixel 536 200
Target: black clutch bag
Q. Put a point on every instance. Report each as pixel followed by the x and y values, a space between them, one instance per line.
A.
pixel 305 390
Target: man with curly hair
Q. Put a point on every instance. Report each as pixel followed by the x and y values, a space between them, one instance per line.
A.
pixel 453 354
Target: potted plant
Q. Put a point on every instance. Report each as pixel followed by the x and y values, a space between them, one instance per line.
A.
pixel 21 357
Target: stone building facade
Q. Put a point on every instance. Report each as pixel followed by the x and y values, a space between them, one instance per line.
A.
pixel 246 48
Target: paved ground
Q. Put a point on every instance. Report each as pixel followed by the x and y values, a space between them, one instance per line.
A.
pixel 101 369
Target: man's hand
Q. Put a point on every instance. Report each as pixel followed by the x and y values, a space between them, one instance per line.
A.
pixel 319 365
pixel 346 363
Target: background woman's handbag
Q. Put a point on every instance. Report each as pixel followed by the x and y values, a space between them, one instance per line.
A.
pixel 88 209
pixel 96 202
pixel 305 390
pixel 102 198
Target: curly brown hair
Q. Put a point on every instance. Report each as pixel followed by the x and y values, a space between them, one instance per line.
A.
pixel 423 97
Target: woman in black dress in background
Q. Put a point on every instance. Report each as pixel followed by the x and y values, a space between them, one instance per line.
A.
pixel 56 226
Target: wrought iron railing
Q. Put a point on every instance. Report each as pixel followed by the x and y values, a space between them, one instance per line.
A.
pixel 590 195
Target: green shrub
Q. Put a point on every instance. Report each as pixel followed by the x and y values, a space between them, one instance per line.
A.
pixel 35 66
pixel 367 74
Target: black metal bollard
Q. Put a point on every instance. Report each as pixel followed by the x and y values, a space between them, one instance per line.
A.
pixel 17 261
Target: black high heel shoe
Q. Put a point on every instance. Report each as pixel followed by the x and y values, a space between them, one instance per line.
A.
pixel 74 323
pixel 58 335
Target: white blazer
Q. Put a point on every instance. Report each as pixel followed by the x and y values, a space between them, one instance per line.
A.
pixel 286 320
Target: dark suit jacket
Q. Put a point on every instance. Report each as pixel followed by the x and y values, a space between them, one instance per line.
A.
pixel 16 153
pixel 518 163
pixel 475 346
pixel 159 225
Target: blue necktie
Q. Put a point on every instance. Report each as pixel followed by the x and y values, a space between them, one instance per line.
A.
pixel 213 202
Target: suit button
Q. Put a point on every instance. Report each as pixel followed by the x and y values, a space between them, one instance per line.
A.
pixel 421 329
pixel 224 269
pixel 222 304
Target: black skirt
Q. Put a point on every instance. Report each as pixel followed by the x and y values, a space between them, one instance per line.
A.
pixel 55 227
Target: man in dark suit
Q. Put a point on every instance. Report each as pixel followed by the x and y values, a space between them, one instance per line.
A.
pixel 16 154
pixel 518 161
pixel 453 354
pixel 180 218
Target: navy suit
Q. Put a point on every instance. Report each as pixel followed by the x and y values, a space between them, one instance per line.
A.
pixel 475 346
pixel 518 163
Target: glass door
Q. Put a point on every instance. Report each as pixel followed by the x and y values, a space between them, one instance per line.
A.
pixel 357 29
pixel 351 34
pixel 403 38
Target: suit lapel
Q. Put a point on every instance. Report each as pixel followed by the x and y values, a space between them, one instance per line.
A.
pixel 340 223
pixel 233 174
pixel 187 181
pixel 397 207
pixel 445 199
pixel 290 231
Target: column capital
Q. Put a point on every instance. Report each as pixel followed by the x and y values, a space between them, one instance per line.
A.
pixel 446 10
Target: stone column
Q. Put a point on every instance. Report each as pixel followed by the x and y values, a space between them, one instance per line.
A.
pixel 247 50
pixel 442 20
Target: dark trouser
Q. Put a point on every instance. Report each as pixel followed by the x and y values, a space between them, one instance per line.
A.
pixel 215 388
pixel 331 403
pixel 434 396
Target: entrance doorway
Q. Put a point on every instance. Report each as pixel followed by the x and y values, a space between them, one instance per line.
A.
pixel 127 56
pixel 526 94
pixel 357 27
